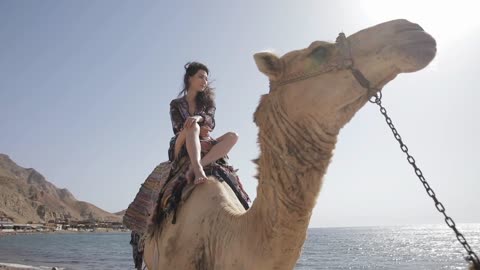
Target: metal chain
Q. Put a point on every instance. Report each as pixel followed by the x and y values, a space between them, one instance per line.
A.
pixel 472 257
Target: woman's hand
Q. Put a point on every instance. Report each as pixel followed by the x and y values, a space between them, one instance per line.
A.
pixel 192 120
pixel 204 131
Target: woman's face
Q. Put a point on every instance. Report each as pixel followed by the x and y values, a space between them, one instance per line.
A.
pixel 198 82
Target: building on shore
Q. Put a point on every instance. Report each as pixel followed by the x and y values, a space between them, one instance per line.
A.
pixel 7 225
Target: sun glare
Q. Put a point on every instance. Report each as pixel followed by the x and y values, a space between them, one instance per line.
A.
pixel 447 21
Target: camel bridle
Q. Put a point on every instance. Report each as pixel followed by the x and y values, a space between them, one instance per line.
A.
pixel 346 63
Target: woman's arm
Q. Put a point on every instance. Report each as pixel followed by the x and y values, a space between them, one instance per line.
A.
pixel 209 117
pixel 176 117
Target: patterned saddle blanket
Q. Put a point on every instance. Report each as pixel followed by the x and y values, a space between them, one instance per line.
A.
pixel 167 186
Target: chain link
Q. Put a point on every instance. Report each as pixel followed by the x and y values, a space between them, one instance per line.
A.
pixel 472 257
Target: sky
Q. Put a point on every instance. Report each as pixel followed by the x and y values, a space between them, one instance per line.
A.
pixel 85 88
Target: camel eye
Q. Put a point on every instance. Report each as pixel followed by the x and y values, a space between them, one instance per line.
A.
pixel 319 54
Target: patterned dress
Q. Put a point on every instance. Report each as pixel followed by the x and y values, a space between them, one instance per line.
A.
pixel 220 169
pixel 178 114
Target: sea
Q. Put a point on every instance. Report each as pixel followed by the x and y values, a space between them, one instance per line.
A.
pixel 394 247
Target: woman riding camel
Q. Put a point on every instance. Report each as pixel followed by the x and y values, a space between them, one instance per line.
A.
pixel 193 118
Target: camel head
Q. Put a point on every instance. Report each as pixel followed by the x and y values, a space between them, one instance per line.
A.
pixel 315 87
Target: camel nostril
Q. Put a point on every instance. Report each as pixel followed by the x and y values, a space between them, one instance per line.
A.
pixel 410 27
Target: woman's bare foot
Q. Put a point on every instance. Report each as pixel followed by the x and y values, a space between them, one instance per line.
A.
pixel 200 180
pixel 197 175
pixel 200 176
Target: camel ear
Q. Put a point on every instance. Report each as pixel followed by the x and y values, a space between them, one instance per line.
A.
pixel 269 64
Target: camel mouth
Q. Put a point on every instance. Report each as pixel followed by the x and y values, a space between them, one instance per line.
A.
pixel 413 37
pixel 416 35
pixel 418 47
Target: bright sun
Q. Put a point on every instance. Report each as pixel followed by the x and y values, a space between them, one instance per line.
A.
pixel 448 21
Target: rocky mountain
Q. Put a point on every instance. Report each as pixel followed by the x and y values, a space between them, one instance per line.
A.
pixel 121 213
pixel 25 195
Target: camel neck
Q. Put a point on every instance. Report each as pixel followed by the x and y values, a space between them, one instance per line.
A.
pixel 292 163
pixel 291 150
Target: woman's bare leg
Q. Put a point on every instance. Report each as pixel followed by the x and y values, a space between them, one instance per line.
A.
pixel 193 149
pixel 221 149
pixel 179 142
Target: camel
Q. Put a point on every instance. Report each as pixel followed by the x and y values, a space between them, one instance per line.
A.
pixel 313 93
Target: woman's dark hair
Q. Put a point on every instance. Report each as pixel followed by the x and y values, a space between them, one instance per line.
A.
pixel 205 99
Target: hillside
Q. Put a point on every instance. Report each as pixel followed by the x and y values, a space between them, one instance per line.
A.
pixel 25 195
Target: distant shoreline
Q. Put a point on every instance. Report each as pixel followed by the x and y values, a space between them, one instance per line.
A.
pixel 60 232
pixel 16 266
